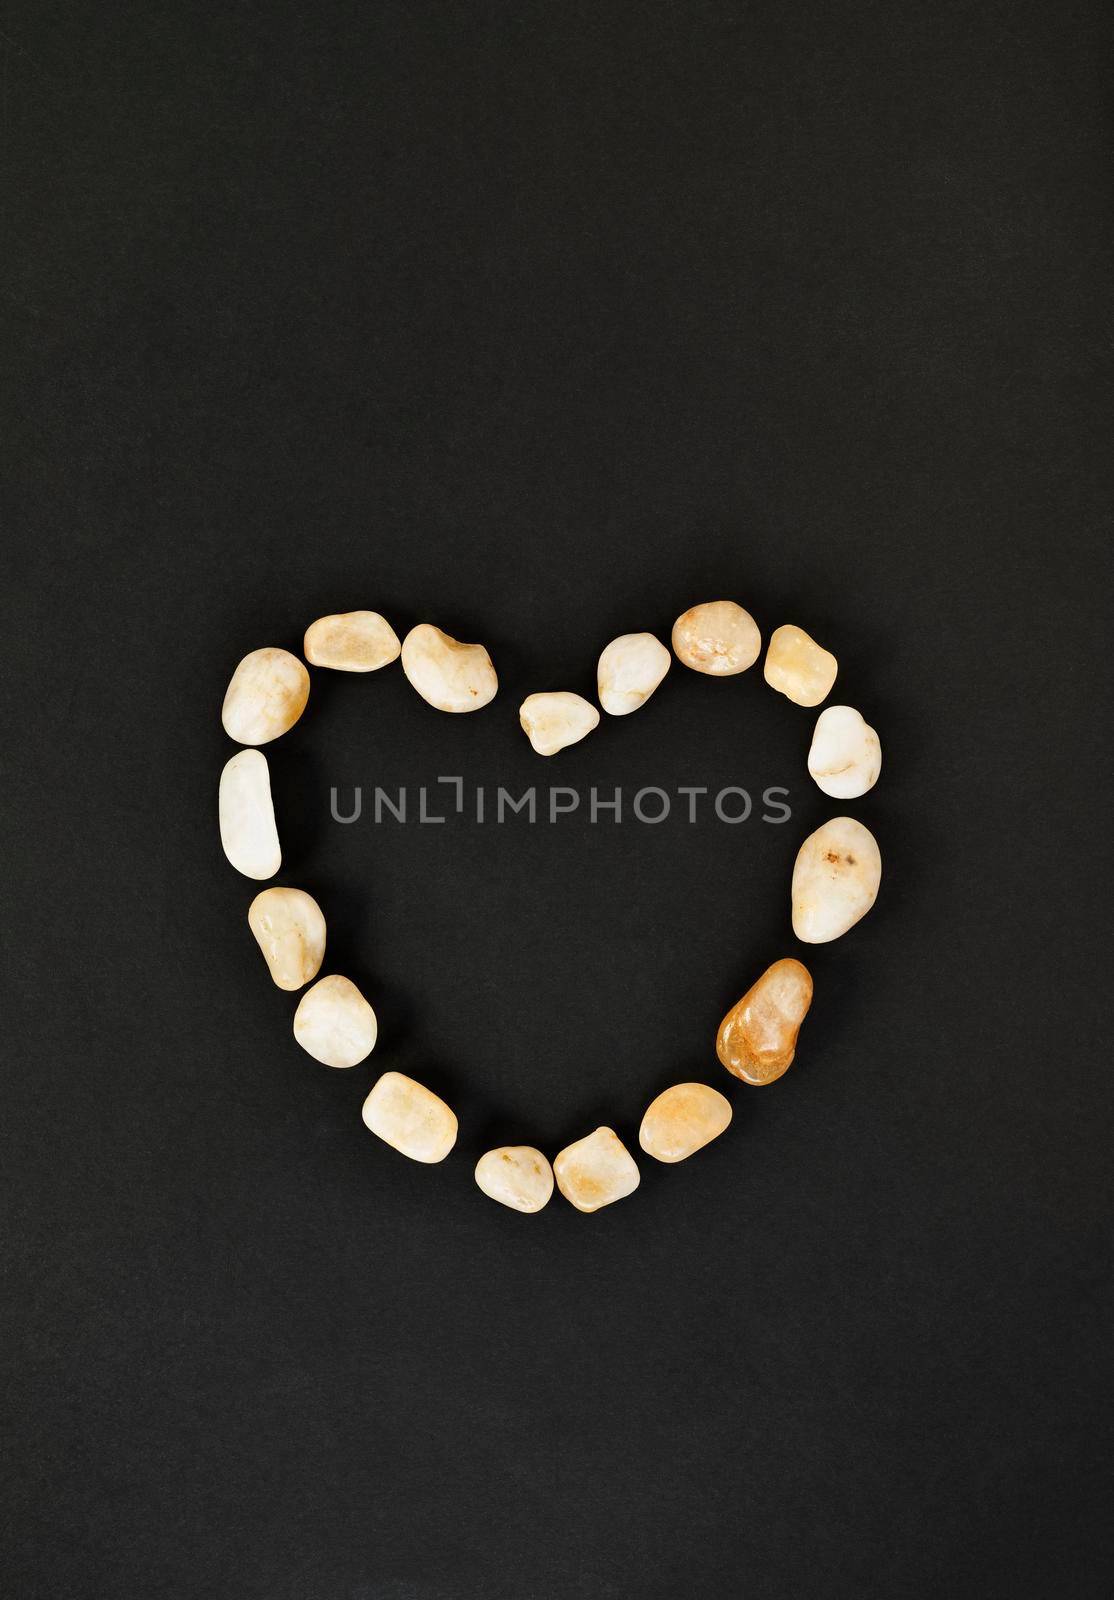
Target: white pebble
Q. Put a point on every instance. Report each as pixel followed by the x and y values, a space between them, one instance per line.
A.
pixel 553 720
pixel 351 641
pixel 835 880
pixel 247 815
pixel 290 930
pixel 517 1176
pixel 846 755
pixel 449 675
pixel 630 669
pixel 335 1024
pixel 410 1118
pixel 266 696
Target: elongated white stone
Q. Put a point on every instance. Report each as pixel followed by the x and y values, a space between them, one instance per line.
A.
pixel 846 755
pixel 596 1171
pixel 630 669
pixel 266 696
pixel 835 880
pixel 553 720
pixel 517 1176
pixel 449 675
pixel 410 1118
pixel 247 815
pixel 717 637
pixel 290 930
pixel 352 641
pixel 334 1023
pixel 799 668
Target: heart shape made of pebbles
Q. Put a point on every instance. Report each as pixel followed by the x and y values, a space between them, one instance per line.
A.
pixel 836 876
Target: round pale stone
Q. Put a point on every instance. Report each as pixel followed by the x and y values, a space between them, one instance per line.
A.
pixel 718 638
pixel 846 755
pixel 335 1024
pixel 835 880
pixel 757 1039
pixel 352 641
pixel 552 721
pixel 266 696
pixel 798 667
pixel 683 1120
pixel 596 1171
pixel 410 1118
pixel 247 815
pixel 516 1175
pixel 290 931
pixel 630 669
pixel 449 675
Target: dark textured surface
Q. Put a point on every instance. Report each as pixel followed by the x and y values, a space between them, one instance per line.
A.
pixel 544 322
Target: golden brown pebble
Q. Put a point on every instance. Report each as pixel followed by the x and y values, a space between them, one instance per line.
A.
pixel 757 1038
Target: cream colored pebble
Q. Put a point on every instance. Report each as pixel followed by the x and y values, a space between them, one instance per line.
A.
pixel 290 930
pixel 596 1171
pixel 717 637
pixel 797 667
pixel 266 696
pixel 553 720
pixel 682 1120
pixel 352 641
pixel 835 880
pixel 410 1118
pixel 517 1176
pixel 335 1024
pixel 846 754
pixel 449 675
pixel 630 669
pixel 247 815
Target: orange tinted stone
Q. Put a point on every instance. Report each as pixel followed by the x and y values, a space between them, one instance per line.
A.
pixel 757 1038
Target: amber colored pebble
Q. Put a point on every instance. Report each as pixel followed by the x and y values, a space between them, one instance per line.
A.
pixel 758 1037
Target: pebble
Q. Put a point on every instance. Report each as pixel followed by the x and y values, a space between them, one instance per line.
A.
pixel 630 669
pixel 352 641
pixel 290 930
pixel 410 1118
pixel 516 1175
pixel 835 880
pixel 596 1171
pixel 798 667
pixel 846 755
pixel 335 1024
pixel 718 638
pixel 266 696
pixel 757 1038
pixel 247 815
pixel 451 676
pixel 552 721
pixel 683 1120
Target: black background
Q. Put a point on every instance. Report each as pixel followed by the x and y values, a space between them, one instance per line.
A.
pixel 544 322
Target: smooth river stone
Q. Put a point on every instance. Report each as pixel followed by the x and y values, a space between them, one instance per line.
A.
pixel 335 1024
pixel 410 1118
pixel 846 755
pixel 266 696
pixel 835 880
pixel 757 1038
pixel 516 1175
pixel 290 930
pixel 798 667
pixel 449 675
pixel 247 815
pixel 683 1120
pixel 596 1171
pixel 352 641
pixel 553 720
pixel 629 670
pixel 718 638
